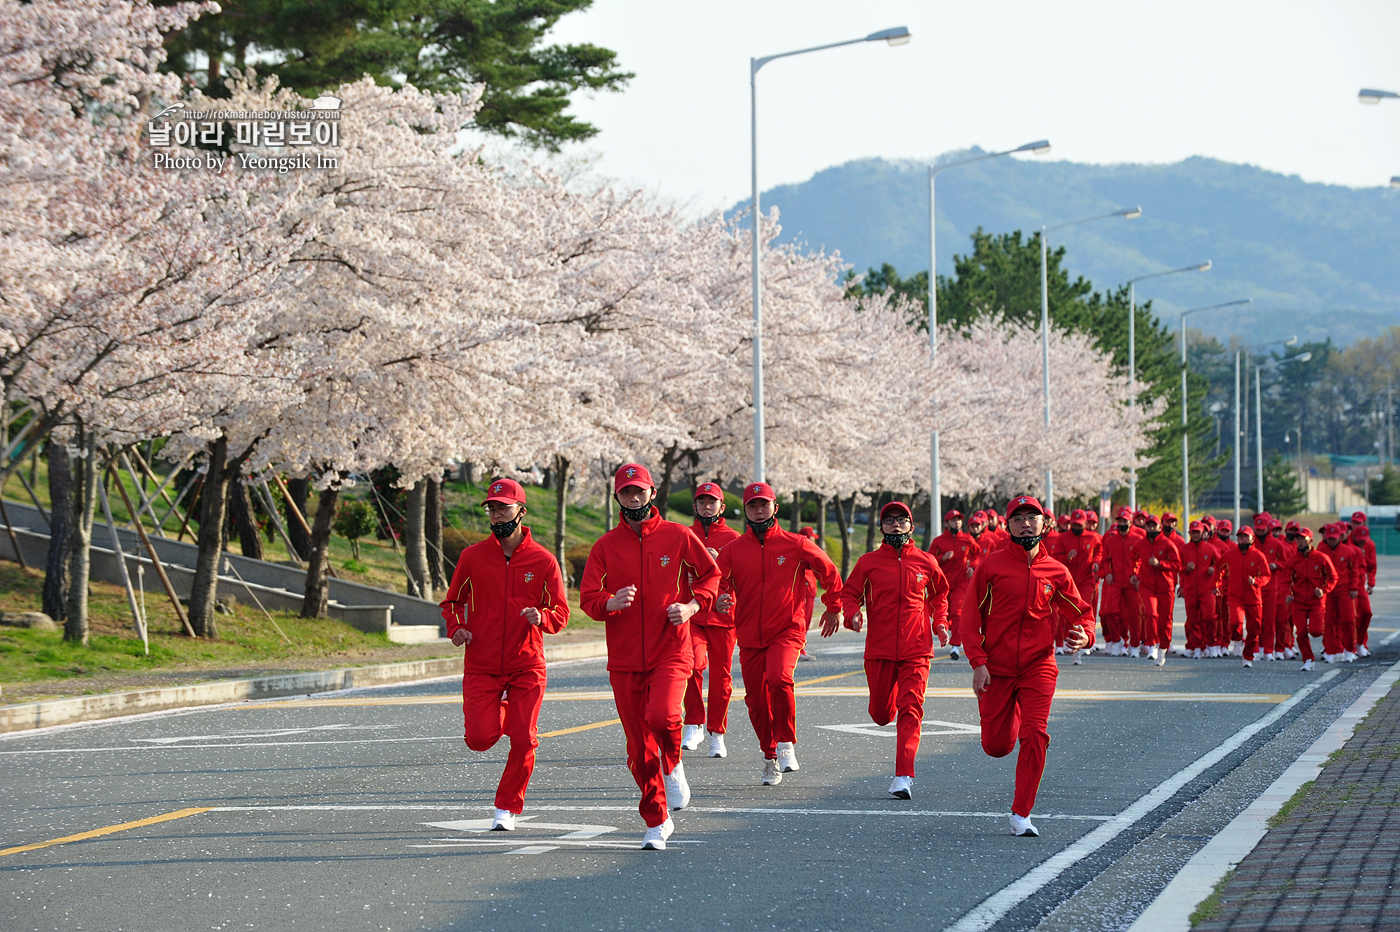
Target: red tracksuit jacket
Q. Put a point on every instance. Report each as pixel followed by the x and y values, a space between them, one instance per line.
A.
pixel 769 582
pixel 905 594
pixel 667 563
pixel 487 595
pixel 1350 564
pixel 1119 558
pixel 965 552
pixel 1200 579
pixel 1161 578
pixel 1310 573
pixel 1079 552
pixel 1009 618
pixel 1361 539
pixel 1235 566
pixel 1277 552
pixel 714 537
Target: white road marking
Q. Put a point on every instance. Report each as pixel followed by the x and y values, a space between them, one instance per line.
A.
pixel 989 911
pixel 716 810
pixel 839 651
pixel 265 734
pixel 870 729
pixel 1390 637
pixel 242 744
pixel 484 825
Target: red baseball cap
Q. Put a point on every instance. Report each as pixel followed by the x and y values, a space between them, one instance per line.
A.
pixel 1305 533
pixel 1022 502
pixel 1168 516
pixel 809 532
pixel 759 491
pixel 1077 516
pixel 506 491
pixel 1224 524
pixel 1125 512
pixel 896 506
pixel 952 513
pixel 1245 531
pixel 1332 530
pixel 1293 526
pixel 1194 526
pixel 711 489
pixel 632 474
pixel 979 515
pixel 1358 517
pixel 1148 518
pixel 1263 519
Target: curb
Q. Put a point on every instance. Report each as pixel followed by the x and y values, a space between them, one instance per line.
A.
pixel 31 715
pixel 1171 910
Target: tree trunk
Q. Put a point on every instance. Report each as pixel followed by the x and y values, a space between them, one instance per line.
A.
pixel 75 627
pixel 60 531
pixel 876 500
pixel 795 519
pixel 240 507
pixel 821 517
pixel 470 473
pixel 415 544
pixel 843 525
pixel 213 505
pixel 561 498
pixel 313 605
pixel 434 520
pixel 669 459
pixel 298 490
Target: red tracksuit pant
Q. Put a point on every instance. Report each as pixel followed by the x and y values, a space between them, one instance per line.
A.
pixel 1145 621
pixel 714 647
pixel 1166 606
pixel 1271 624
pixel 1363 617
pixel 1247 616
pixel 897 694
pixel 1119 610
pixel 649 704
pixel 1284 614
pixel 487 716
pixel 1200 619
pixel 768 691
pixel 1339 628
pixel 957 594
pixel 1018 708
pixel 1308 621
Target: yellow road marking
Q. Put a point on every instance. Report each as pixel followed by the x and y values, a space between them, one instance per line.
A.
pixel 106 831
pixel 590 727
pixel 823 679
pixel 1099 695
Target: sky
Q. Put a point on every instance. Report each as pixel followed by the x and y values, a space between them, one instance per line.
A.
pixel 1270 83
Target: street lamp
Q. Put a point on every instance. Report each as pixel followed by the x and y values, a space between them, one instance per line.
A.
pixel 1127 213
pixel 896 36
pixel 1132 351
pixel 1039 147
pixel 1258 419
pixel 1185 439
pixel 1368 95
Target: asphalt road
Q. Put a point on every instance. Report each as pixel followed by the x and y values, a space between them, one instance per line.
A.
pixel 366 810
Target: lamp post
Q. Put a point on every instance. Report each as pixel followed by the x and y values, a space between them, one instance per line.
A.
pixel 1185 438
pixel 1132 351
pixel 897 36
pixel 1259 414
pixel 1040 147
pixel 1127 213
pixel 1368 95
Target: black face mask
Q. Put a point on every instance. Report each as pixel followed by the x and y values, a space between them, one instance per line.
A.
pixel 635 514
pixel 897 541
pixel 1244 546
pixel 1076 531
pixel 762 527
pixel 1152 535
pixel 706 521
pixel 1028 543
pixel 1122 528
pixel 1303 551
pixel 507 528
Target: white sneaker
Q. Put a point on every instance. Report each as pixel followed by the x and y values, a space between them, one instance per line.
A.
pixel 772 776
pixel 1162 658
pixel 1198 655
pixel 1307 665
pixel 805 656
pixel 1289 653
pixel 677 789
pixel 655 838
pixel 1152 654
pixel 955 652
pixel 717 748
pixel 1329 658
pixel 1249 663
pixel 1267 656
pixel 1348 656
pixel 1059 651
pixel 503 821
pixel 787 757
pixel 903 787
pixel 1363 651
pixel 690 738
pixel 1023 826
pixel 1078 658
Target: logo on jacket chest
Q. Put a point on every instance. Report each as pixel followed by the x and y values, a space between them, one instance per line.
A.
pixel 920 577
pixel 529 576
pixel 665 560
pixel 1046 588
pixel 782 560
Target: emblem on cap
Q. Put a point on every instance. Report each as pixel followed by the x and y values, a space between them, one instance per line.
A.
pixel 496 488
pixel 631 472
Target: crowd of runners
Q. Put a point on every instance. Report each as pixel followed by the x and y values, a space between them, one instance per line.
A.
pixel 1009 591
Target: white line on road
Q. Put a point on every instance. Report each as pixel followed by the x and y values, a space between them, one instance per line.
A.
pixel 989 911
pixel 1171 911
pixel 702 810
pixel 1392 636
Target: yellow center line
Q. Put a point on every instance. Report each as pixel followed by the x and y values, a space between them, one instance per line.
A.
pixel 589 727
pixel 180 814
pixel 823 679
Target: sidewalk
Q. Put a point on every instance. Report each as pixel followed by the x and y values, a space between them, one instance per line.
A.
pixel 1331 859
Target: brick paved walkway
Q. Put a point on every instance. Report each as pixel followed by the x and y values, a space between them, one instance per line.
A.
pixel 1333 860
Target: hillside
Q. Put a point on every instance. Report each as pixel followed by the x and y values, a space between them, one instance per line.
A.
pixel 1319 260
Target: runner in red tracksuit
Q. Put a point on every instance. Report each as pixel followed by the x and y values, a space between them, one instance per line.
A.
pixel 1361 540
pixel 1244 574
pixel 1118 569
pixel 1008 625
pixel 645 579
pixel 1274 623
pixel 1226 631
pixel 1339 629
pixel 905 597
pixel 506 594
pixel 1159 568
pixel 1311 577
pixel 1288 537
pixel 711 636
pixel 764 583
pixel 1197 590
pixel 1081 551
pixel 809 602
pixel 957 554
